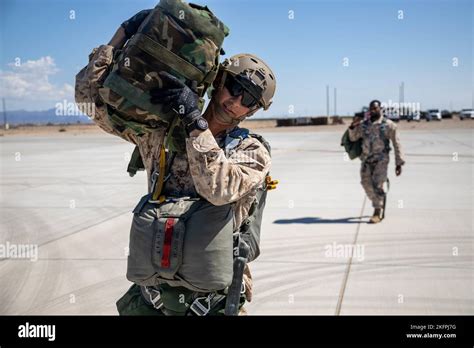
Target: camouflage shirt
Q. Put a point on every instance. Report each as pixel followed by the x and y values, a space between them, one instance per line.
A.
pixel 373 144
pixel 228 178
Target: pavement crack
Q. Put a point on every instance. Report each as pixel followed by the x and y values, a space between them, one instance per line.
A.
pixel 349 264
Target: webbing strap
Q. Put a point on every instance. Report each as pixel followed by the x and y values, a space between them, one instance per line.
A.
pixel 173 140
pixel 211 75
pixel 167 57
pixel 161 175
pixel 206 305
pixel 383 127
pixel 154 296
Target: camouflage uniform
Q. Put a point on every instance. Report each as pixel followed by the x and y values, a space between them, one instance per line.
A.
pixel 202 169
pixel 375 155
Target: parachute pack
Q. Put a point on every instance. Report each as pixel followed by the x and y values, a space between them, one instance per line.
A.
pixel 191 243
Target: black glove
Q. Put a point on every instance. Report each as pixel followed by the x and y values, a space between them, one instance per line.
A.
pixel 177 96
pixel 398 170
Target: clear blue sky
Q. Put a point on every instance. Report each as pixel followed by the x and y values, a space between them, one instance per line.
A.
pixel 306 53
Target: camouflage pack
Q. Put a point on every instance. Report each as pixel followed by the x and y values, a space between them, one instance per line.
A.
pixel 182 39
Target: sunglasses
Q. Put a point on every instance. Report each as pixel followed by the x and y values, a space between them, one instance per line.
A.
pixel 239 85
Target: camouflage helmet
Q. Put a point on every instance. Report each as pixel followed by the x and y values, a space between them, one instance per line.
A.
pixel 256 70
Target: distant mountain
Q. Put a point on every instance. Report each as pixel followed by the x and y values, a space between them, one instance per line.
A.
pixel 43 117
pixel 19 117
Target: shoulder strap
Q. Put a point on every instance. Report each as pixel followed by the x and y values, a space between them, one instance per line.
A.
pixel 383 134
pixel 249 230
pixel 234 138
pixel 263 141
pixel 365 126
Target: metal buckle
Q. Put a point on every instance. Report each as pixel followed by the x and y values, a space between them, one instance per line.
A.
pixel 156 301
pixel 201 309
pixel 154 180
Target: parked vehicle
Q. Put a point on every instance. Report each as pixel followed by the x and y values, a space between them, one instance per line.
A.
pixel 414 116
pixel 392 114
pixel 446 114
pixel 466 113
pixel 433 114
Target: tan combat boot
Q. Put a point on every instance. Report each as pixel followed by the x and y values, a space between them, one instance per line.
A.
pixel 377 217
pixel 243 311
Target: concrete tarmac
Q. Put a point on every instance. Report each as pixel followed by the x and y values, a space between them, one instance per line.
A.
pixel 71 197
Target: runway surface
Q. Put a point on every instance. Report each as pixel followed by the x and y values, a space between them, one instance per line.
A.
pixel 71 196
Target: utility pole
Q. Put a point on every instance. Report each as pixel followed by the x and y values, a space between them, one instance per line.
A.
pixel 401 93
pixel 327 100
pixel 4 114
pixel 335 101
pixel 401 100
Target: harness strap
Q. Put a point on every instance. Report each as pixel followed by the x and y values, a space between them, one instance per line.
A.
pixel 154 296
pixel 205 305
pixel 234 138
pixel 198 304
pixel 172 60
pixel 161 174
pixel 382 128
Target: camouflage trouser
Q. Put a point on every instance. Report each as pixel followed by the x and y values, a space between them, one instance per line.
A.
pixel 133 303
pixel 373 175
